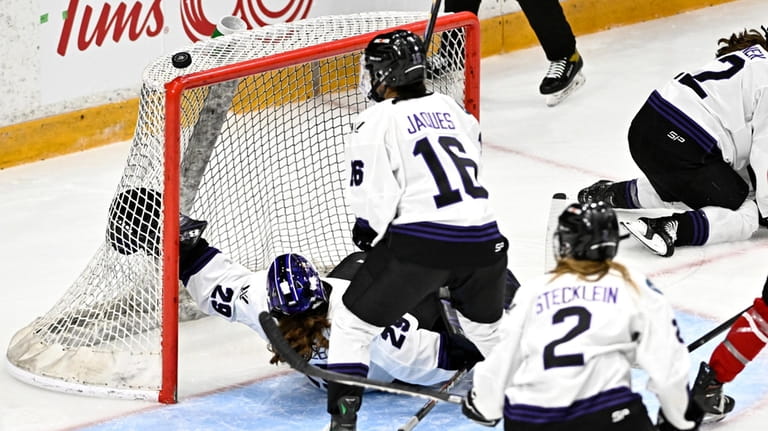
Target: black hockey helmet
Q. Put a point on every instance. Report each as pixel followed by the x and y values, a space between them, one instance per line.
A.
pixel 394 59
pixel 587 232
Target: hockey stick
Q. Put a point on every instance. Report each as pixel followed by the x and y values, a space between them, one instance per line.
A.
pixel 716 331
pixel 426 408
pixel 431 24
pixel 295 361
pixel 556 207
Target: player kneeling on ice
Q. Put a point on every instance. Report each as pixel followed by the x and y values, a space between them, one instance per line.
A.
pixel 304 305
pixel 702 143
pixel 572 336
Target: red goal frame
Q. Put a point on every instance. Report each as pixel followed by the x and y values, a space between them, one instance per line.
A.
pixel 173 116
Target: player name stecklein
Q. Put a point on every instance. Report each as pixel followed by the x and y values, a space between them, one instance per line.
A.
pixel 567 294
pixel 432 120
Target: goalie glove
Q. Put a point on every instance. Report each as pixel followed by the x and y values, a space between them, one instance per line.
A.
pixel 363 235
pixel 191 244
pixel 190 232
pixel 469 410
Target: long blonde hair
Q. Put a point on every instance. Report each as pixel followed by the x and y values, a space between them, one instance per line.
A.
pixel 742 40
pixel 305 332
pixel 591 270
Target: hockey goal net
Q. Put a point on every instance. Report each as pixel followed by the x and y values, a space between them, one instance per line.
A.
pixel 249 137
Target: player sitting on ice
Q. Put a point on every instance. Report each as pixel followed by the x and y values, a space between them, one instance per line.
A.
pixel 702 143
pixel 304 303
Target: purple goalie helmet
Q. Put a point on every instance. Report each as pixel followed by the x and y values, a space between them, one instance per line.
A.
pixel 293 286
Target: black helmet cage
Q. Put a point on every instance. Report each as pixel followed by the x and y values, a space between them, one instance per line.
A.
pixel 394 59
pixel 587 232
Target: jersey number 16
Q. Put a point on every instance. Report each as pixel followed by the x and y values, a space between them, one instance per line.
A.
pixel 446 195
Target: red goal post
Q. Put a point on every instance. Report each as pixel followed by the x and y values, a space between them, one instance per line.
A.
pixel 248 137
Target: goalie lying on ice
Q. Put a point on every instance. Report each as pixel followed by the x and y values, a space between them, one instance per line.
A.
pixel 418 350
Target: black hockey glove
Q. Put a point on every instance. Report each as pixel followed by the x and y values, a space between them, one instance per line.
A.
pixel 363 235
pixel 693 413
pixel 190 231
pixel 191 243
pixel 469 410
pixel 765 291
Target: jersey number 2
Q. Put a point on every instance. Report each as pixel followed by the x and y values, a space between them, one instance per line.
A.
pixel 397 340
pixel 692 81
pixel 447 195
pixel 583 321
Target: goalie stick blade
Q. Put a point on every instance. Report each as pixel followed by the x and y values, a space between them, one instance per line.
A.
pixel 295 361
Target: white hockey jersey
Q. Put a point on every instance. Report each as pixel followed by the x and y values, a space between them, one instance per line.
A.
pixel 414 165
pixel 569 345
pixel 403 351
pixel 725 104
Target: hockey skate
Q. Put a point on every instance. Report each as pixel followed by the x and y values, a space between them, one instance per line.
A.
pixel 657 234
pixel 707 392
pixel 599 191
pixel 346 420
pixel 563 78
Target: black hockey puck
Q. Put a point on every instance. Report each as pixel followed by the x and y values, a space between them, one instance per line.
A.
pixel 181 60
pixel 559 196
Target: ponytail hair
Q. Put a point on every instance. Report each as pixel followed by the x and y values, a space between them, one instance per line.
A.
pixel 590 270
pixel 743 40
pixel 305 332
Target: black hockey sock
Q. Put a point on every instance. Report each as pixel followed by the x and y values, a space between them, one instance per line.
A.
pixel 692 228
pixel 624 194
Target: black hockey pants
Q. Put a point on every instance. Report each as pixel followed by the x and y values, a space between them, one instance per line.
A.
pixel 386 287
pixel 681 163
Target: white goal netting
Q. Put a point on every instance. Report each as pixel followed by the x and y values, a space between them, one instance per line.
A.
pixel 261 161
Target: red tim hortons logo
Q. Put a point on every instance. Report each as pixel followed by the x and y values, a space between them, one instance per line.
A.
pixel 119 21
pixel 88 25
pixel 254 12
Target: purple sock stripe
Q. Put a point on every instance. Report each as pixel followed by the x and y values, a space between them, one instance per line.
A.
pixel 700 227
pixel 630 194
